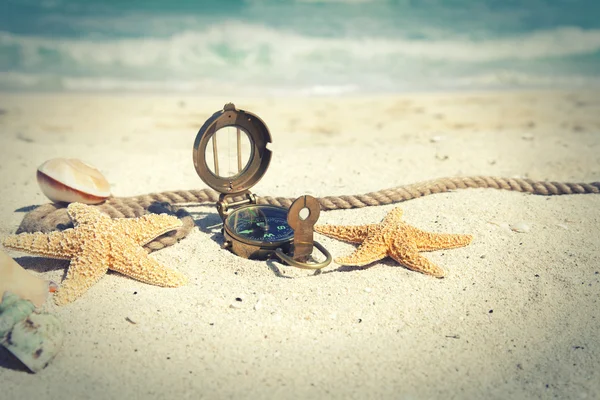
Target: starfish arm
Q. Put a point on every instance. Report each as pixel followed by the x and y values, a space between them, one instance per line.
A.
pixel 371 250
pixel 144 229
pixel 134 262
pixel 350 234
pixel 85 270
pixel 407 254
pixel 62 245
pixel 84 214
pixel 428 241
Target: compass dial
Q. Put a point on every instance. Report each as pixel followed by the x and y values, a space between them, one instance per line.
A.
pixel 260 224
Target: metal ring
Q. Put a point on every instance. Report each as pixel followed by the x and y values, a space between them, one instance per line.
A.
pixel 289 260
pixel 260 157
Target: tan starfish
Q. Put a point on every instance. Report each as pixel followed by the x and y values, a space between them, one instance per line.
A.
pixel 98 243
pixel 394 238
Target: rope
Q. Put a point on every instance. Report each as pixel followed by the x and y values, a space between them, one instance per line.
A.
pixel 50 217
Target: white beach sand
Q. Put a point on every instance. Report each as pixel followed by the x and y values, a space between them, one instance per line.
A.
pixel 518 315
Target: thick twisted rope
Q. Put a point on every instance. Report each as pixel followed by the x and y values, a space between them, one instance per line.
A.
pixel 50 217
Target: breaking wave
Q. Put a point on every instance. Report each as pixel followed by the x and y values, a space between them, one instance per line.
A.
pixel 242 56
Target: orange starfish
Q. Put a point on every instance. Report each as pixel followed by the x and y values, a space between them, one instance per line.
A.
pixel 394 238
pixel 98 243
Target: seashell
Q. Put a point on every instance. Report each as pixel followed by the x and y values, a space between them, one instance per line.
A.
pixel 13 309
pixel 520 227
pixel 71 180
pixel 34 338
pixel 17 280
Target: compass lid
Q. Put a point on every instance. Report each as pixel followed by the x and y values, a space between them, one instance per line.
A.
pixel 245 126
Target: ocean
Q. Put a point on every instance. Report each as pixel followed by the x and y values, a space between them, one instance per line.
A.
pixel 304 47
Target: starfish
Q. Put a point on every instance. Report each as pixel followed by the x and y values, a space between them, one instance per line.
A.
pixel 394 238
pixel 98 243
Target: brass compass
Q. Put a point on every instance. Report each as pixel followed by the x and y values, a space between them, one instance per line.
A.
pixel 252 230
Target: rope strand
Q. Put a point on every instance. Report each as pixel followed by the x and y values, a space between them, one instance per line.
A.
pixel 50 217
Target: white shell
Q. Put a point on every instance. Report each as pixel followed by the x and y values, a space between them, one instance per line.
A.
pixel 520 227
pixel 71 180
pixel 15 279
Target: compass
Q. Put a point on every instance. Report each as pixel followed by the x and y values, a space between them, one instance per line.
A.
pixel 231 156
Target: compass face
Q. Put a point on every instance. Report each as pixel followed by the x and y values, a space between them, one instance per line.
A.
pixel 260 224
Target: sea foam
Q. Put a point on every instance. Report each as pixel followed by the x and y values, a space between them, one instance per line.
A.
pixel 247 55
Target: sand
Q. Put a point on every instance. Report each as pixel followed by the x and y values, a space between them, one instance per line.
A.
pixel 518 315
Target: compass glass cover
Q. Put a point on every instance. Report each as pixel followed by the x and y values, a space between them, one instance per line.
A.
pixel 260 224
pixel 228 152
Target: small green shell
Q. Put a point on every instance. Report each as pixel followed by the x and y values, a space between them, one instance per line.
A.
pixel 34 338
pixel 12 310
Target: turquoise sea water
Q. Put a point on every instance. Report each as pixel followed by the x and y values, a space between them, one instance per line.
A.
pixel 305 47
